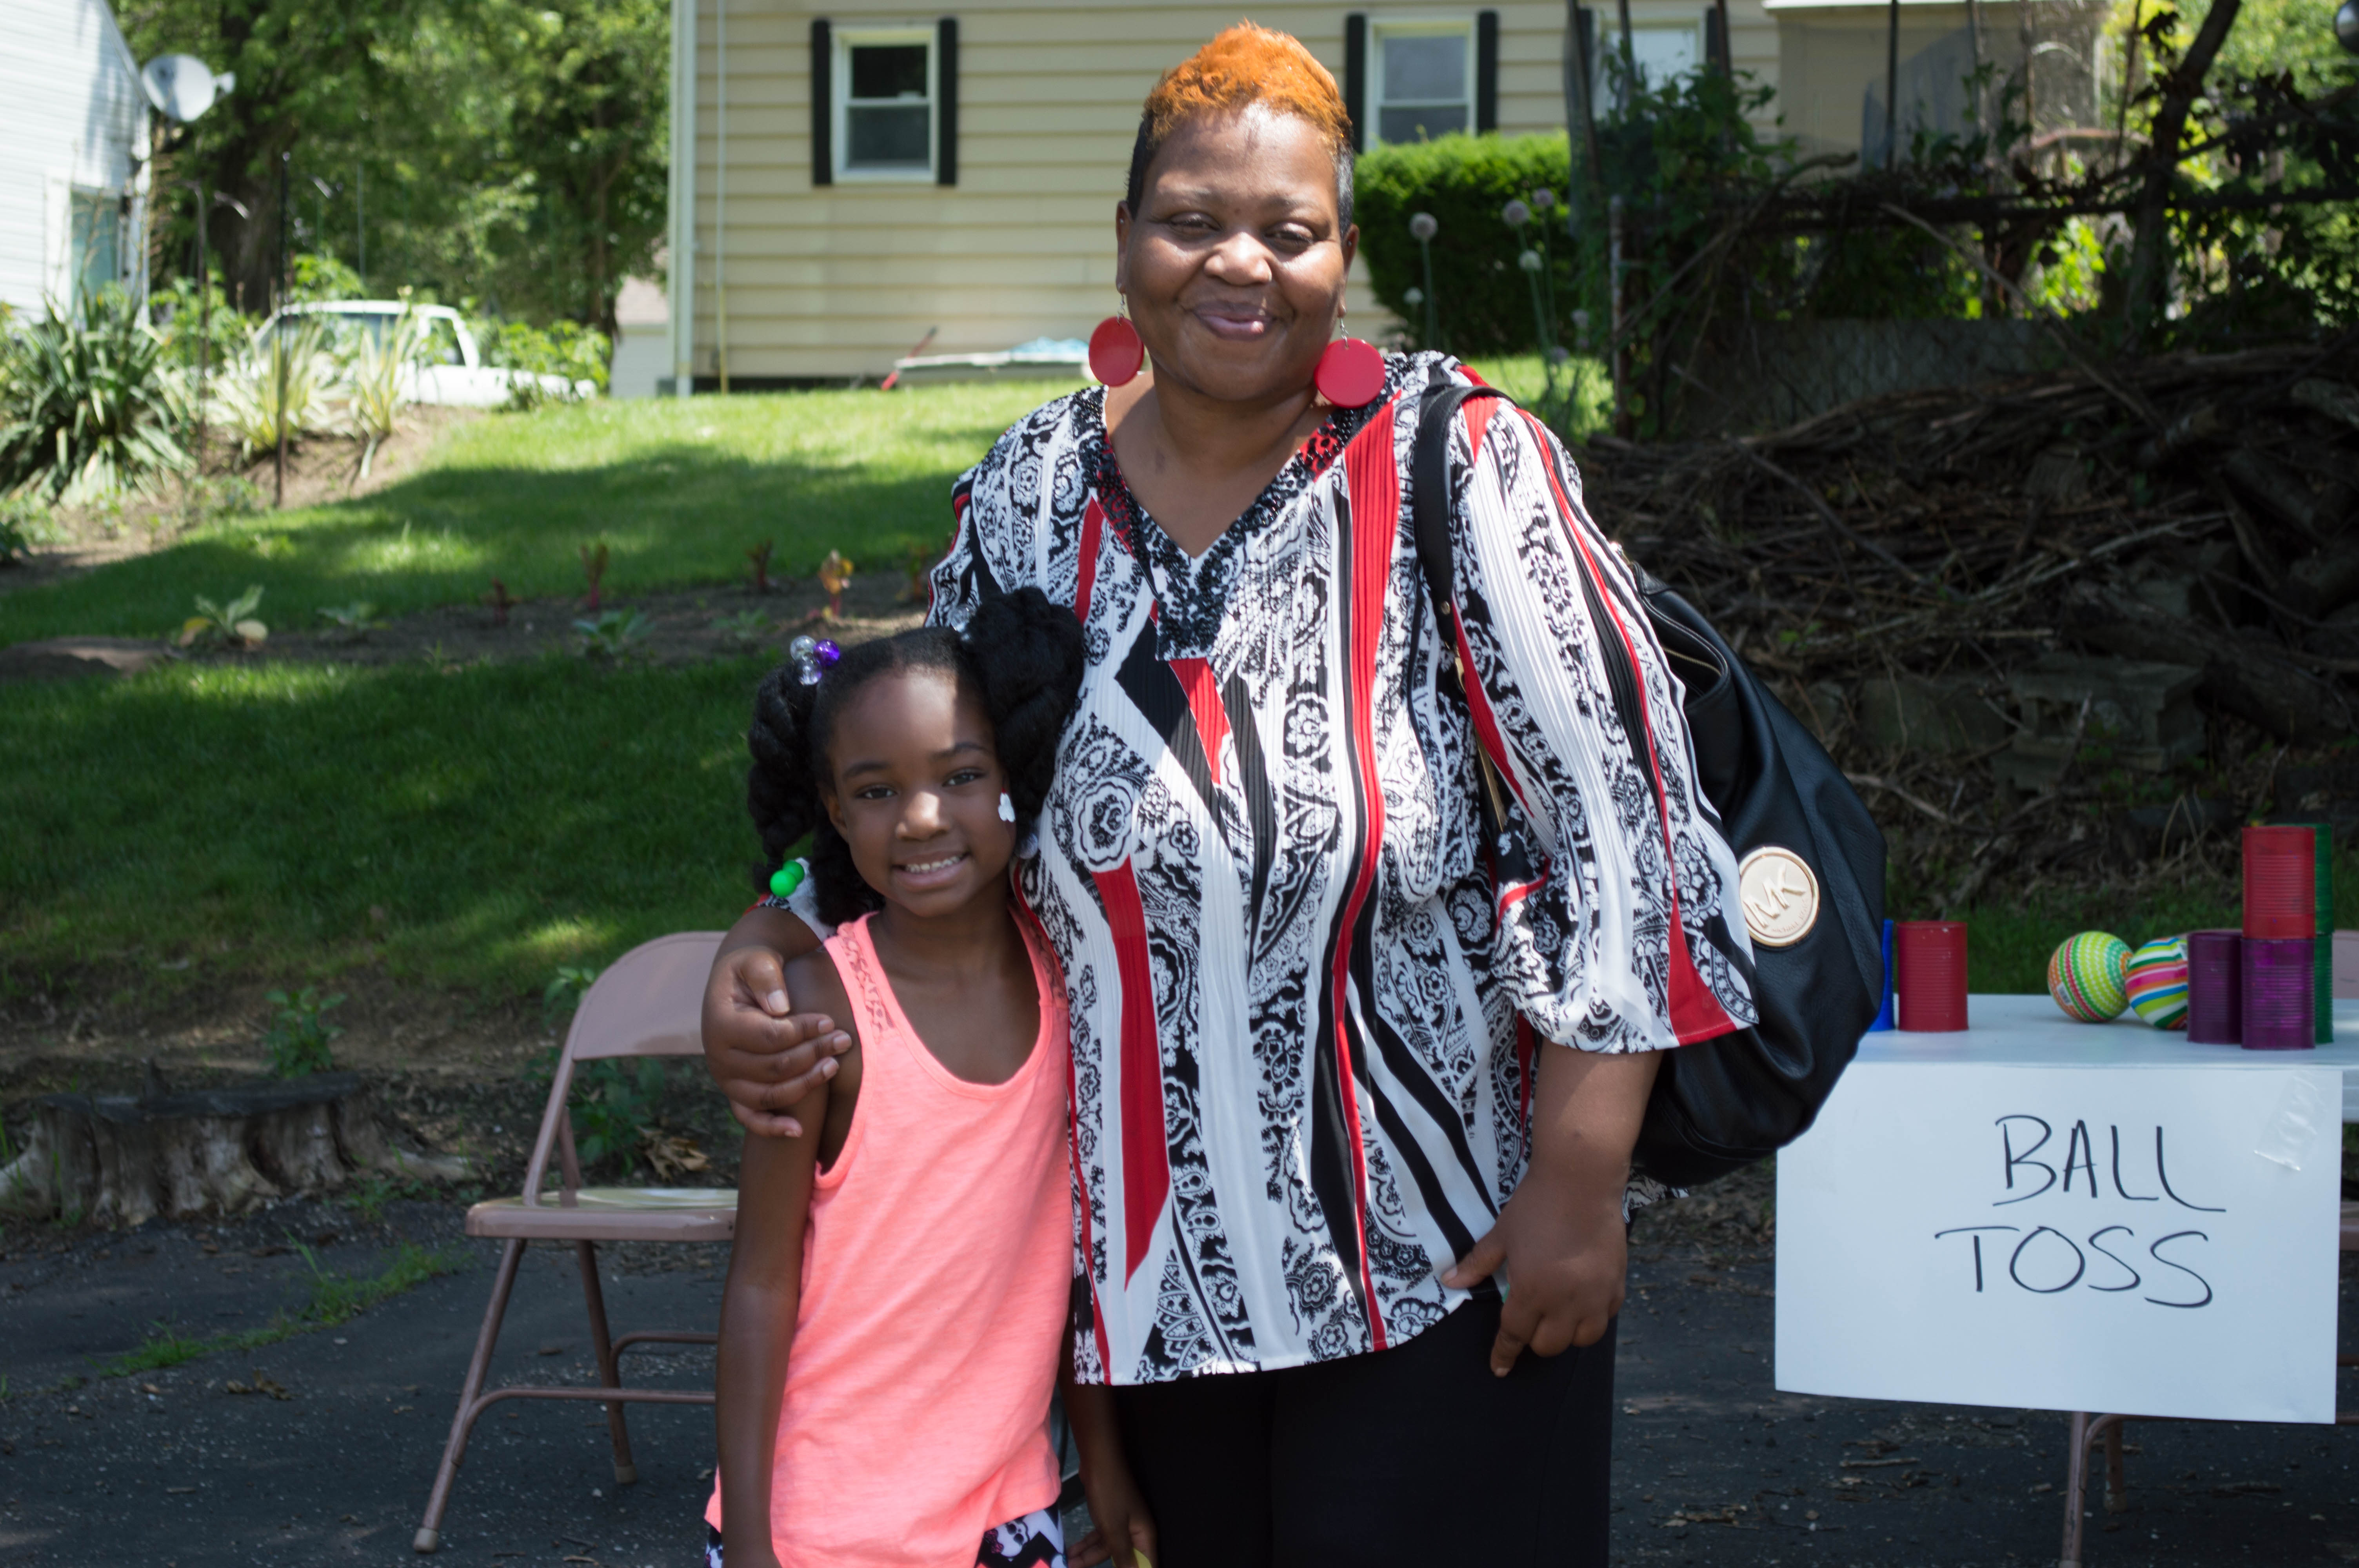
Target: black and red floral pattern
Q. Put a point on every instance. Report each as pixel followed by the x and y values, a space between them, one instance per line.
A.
pixel 1303 1017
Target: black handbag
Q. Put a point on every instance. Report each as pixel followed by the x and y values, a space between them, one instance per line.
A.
pixel 1811 859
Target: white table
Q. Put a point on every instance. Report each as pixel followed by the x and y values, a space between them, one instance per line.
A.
pixel 2032 1031
pixel 2080 1217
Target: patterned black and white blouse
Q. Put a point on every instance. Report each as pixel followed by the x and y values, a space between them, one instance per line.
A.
pixel 1303 1021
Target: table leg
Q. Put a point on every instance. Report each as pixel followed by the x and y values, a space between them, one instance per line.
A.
pixel 2076 1481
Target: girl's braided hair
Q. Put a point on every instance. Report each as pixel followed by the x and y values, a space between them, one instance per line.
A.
pixel 1022 654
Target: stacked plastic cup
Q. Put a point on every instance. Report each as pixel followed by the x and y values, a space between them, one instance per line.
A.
pixel 2279 977
pixel 2215 988
pixel 2279 990
pixel 2322 981
pixel 1932 957
pixel 2280 881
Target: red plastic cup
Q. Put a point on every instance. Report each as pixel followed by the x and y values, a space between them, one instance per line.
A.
pixel 1931 958
pixel 2280 882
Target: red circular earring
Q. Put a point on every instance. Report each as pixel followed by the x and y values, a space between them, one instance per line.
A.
pixel 1115 352
pixel 1350 373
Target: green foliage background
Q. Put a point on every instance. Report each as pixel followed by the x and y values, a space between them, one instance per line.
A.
pixel 1464 181
pixel 512 153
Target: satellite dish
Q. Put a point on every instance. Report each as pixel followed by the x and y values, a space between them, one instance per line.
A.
pixel 183 87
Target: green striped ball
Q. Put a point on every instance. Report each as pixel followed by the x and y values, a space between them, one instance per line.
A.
pixel 2089 976
pixel 2158 982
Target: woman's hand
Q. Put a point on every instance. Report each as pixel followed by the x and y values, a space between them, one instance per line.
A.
pixel 1560 1255
pixel 1560 1248
pixel 765 1057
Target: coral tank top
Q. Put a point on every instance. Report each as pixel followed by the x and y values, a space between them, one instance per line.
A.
pixel 937 1275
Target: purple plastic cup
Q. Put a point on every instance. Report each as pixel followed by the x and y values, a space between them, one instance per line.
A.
pixel 2215 989
pixel 2280 991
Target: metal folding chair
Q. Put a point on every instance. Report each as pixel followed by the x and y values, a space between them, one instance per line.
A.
pixel 647 1003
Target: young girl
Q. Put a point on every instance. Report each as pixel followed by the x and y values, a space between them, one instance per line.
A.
pixel 896 1311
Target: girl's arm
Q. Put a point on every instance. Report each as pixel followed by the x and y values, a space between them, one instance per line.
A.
pixel 765 1058
pixel 757 1324
pixel 1124 1535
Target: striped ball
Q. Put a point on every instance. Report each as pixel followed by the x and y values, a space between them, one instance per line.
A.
pixel 2089 976
pixel 2158 982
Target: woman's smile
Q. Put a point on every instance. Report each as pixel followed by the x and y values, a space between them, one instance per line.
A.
pixel 1235 323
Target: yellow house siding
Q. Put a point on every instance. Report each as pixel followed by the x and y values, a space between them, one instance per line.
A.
pixel 840 280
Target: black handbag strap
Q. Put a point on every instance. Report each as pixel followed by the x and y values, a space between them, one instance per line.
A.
pixel 1429 509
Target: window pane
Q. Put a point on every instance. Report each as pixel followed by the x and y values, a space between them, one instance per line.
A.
pixel 1419 125
pixel 1663 53
pixel 888 70
pixel 883 138
pixel 96 225
pixel 1421 70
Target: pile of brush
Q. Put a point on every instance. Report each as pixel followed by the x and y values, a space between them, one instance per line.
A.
pixel 1930 578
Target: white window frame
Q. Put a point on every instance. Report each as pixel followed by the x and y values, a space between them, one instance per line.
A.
pixel 1379 33
pixel 845 41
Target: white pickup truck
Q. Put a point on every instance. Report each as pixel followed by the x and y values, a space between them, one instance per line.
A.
pixel 452 373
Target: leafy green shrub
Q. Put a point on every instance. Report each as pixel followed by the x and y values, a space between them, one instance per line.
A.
pixel 379 385
pixel 355 620
pixel 184 324
pixel 217 498
pixel 246 395
pixel 88 407
pixel 1466 183
pixel 612 632
pixel 566 991
pixel 24 523
pixel 562 348
pixel 321 277
pixel 300 1034
pixel 611 1106
pixel 232 625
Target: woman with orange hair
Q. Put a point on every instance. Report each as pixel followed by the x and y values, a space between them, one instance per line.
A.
pixel 1352 1116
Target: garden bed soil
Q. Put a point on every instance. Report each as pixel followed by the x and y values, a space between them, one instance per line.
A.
pixel 320 470
pixel 689 626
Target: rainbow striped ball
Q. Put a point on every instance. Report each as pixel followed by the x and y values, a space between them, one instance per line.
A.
pixel 2089 976
pixel 2158 982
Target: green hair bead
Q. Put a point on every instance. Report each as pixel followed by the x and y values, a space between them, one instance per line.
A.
pixel 785 879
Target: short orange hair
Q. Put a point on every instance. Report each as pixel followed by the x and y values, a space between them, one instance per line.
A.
pixel 1242 66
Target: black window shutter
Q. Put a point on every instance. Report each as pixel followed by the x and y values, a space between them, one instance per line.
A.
pixel 1355 77
pixel 946 101
pixel 822 101
pixel 1584 38
pixel 1715 48
pixel 1487 70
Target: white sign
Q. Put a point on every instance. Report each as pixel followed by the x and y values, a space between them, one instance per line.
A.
pixel 2151 1240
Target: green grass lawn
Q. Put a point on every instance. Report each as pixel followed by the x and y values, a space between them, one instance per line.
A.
pixel 477 829
pixel 677 490
pixel 284 821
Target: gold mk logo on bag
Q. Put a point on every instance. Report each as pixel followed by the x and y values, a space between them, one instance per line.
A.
pixel 1780 895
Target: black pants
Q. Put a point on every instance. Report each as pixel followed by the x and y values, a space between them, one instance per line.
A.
pixel 1411 1455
